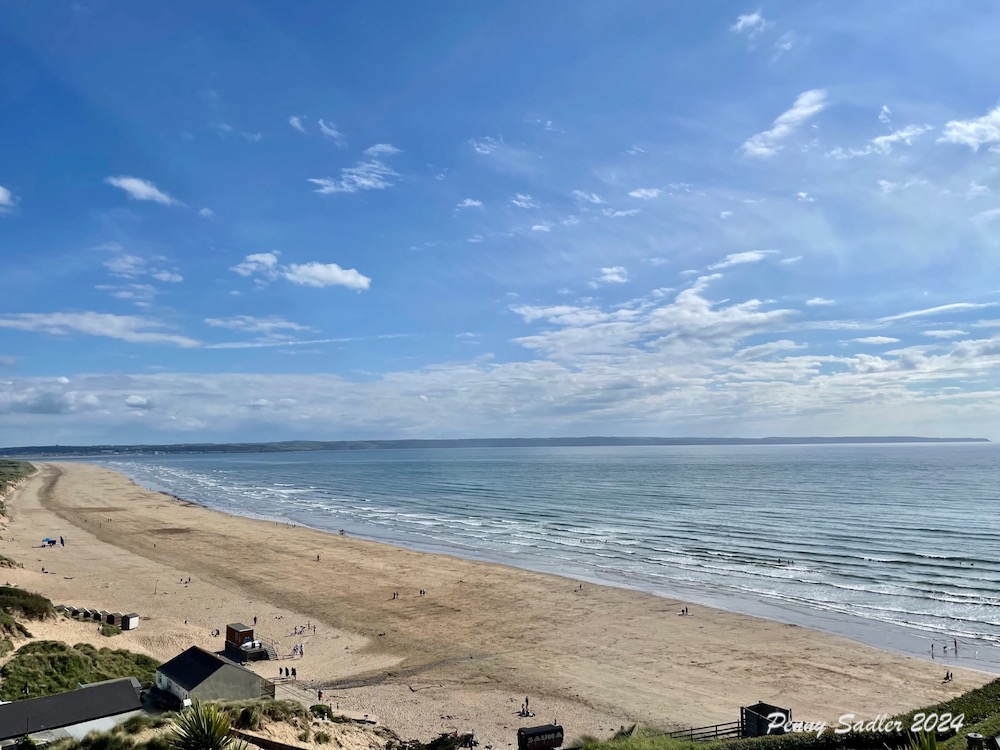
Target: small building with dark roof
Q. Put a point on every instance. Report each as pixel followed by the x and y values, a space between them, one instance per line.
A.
pixel 202 675
pixel 75 713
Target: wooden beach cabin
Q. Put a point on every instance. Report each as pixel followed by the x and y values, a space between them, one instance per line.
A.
pixel 115 618
pixel 129 621
pixel 102 616
pixel 241 646
pixel 75 611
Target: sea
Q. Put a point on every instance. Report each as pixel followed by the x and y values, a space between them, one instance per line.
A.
pixel 894 545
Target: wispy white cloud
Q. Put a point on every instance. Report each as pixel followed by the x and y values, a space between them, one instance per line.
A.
pixel 330 131
pixel 887 186
pixel 750 24
pixel 790 261
pixel 141 190
pixel 252 324
pixel 265 264
pixel 725 214
pixel 819 301
pixel 265 267
pixel 953 307
pixel 325 274
pixel 487 144
pixel 885 115
pixel 645 193
pixel 973 133
pixel 543 227
pixel 769 142
pixel 470 203
pixel 382 149
pixel 805 198
pixel 7 201
pixel 614 275
pixel 365 175
pixel 876 340
pixel 594 198
pixel 882 144
pixel 738 259
pixel 907 135
pixel 296 122
pixel 951 333
pixel 523 200
pixel 130 328
pixel 785 43
pixel 128 266
pixel 207 213
pixel 620 213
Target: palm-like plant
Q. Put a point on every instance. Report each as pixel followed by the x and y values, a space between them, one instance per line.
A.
pixel 204 726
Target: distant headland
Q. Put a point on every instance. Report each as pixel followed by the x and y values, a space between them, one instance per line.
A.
pixel 354 445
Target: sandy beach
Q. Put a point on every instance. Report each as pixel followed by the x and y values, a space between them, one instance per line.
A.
pixel 464 655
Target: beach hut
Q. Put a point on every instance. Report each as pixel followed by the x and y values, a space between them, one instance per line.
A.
pixel 74 611
pixel 102 616
pixel 237 633
pixel 130 621
pixel 95 614
pixel 115 618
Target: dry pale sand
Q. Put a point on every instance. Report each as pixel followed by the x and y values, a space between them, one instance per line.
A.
pixel 462 657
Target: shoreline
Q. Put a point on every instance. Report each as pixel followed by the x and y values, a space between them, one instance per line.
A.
pixel 981 655
pixel 461 657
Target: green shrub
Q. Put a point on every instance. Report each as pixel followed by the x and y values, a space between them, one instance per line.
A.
pixel 106 741
pixel 33 606
pixel 6 562
pixel 48 667
pixel 157 742
pixel 303 736
pixel 250 717
pixel 266 709
pixel 322 738
pixel 109 630
pixel 136 724
pixel 11 627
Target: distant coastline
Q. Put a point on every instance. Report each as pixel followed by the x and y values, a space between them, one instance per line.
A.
pixel 557 442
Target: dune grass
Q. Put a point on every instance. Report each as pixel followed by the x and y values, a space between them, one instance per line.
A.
pixel 49 667
pixel 12 472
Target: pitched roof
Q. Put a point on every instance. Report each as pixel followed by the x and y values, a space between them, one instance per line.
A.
pixel 192 667
pixel 69 708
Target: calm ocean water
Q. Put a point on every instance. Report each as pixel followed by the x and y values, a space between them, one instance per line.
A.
pixel 895 545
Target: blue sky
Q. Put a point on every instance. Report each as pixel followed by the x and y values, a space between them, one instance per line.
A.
pixel 255 221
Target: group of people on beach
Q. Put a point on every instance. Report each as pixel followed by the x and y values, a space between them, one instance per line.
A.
pixel 954 650
pixel 286 672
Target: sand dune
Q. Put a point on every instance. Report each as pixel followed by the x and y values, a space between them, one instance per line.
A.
pixel 462 657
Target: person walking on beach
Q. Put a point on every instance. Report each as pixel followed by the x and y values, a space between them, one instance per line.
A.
pixel 62 542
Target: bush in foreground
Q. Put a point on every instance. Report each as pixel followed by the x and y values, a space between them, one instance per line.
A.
pixel 49 667
pixel 15 601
